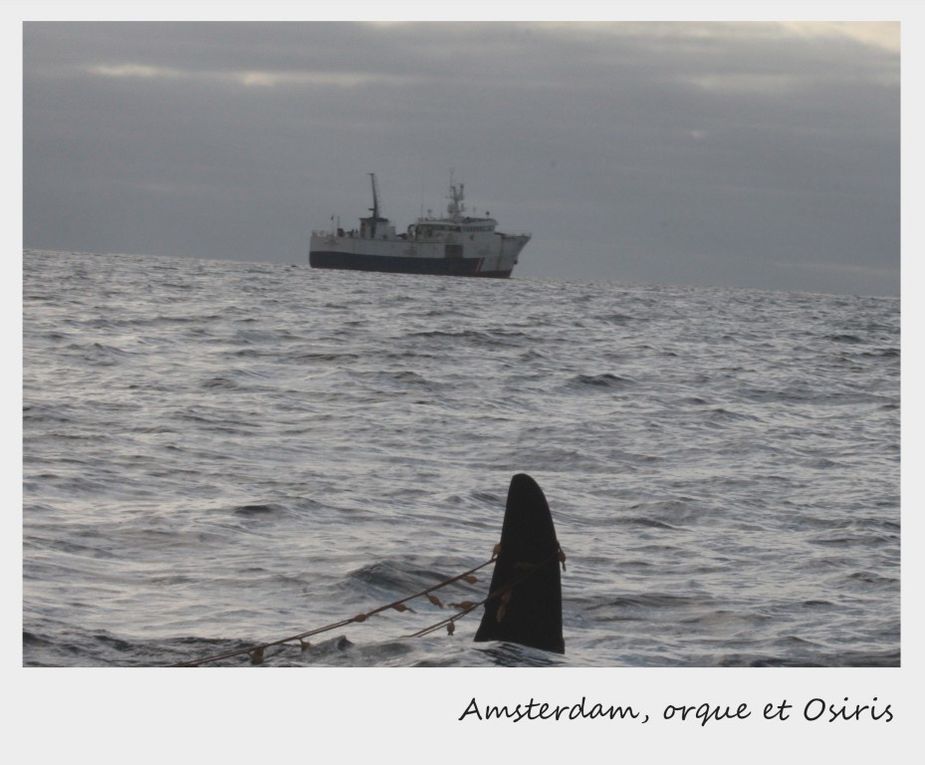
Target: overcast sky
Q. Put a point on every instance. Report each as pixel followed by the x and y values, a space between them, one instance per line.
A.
pixel 761 155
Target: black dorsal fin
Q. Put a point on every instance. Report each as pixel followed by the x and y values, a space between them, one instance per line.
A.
pixel 526 606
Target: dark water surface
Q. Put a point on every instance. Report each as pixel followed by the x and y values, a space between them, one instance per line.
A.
pixel 219 453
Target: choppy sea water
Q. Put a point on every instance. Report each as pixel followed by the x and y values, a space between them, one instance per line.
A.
pixel 218 454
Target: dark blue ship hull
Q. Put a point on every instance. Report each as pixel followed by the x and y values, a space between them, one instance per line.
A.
pixel 396 264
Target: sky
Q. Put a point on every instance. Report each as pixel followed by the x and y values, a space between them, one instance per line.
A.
pixel 761 155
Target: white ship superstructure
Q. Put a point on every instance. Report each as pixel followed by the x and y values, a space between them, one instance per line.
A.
pixel 456 245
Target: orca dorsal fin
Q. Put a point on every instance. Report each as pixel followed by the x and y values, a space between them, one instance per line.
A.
pixel 526 607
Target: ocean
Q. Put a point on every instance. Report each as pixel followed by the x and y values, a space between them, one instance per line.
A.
pixel 218 454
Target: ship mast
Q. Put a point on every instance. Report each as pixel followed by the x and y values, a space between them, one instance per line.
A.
pixel 456 207
pixel 375 208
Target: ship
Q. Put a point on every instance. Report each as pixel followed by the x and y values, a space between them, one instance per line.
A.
pixel 455 245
